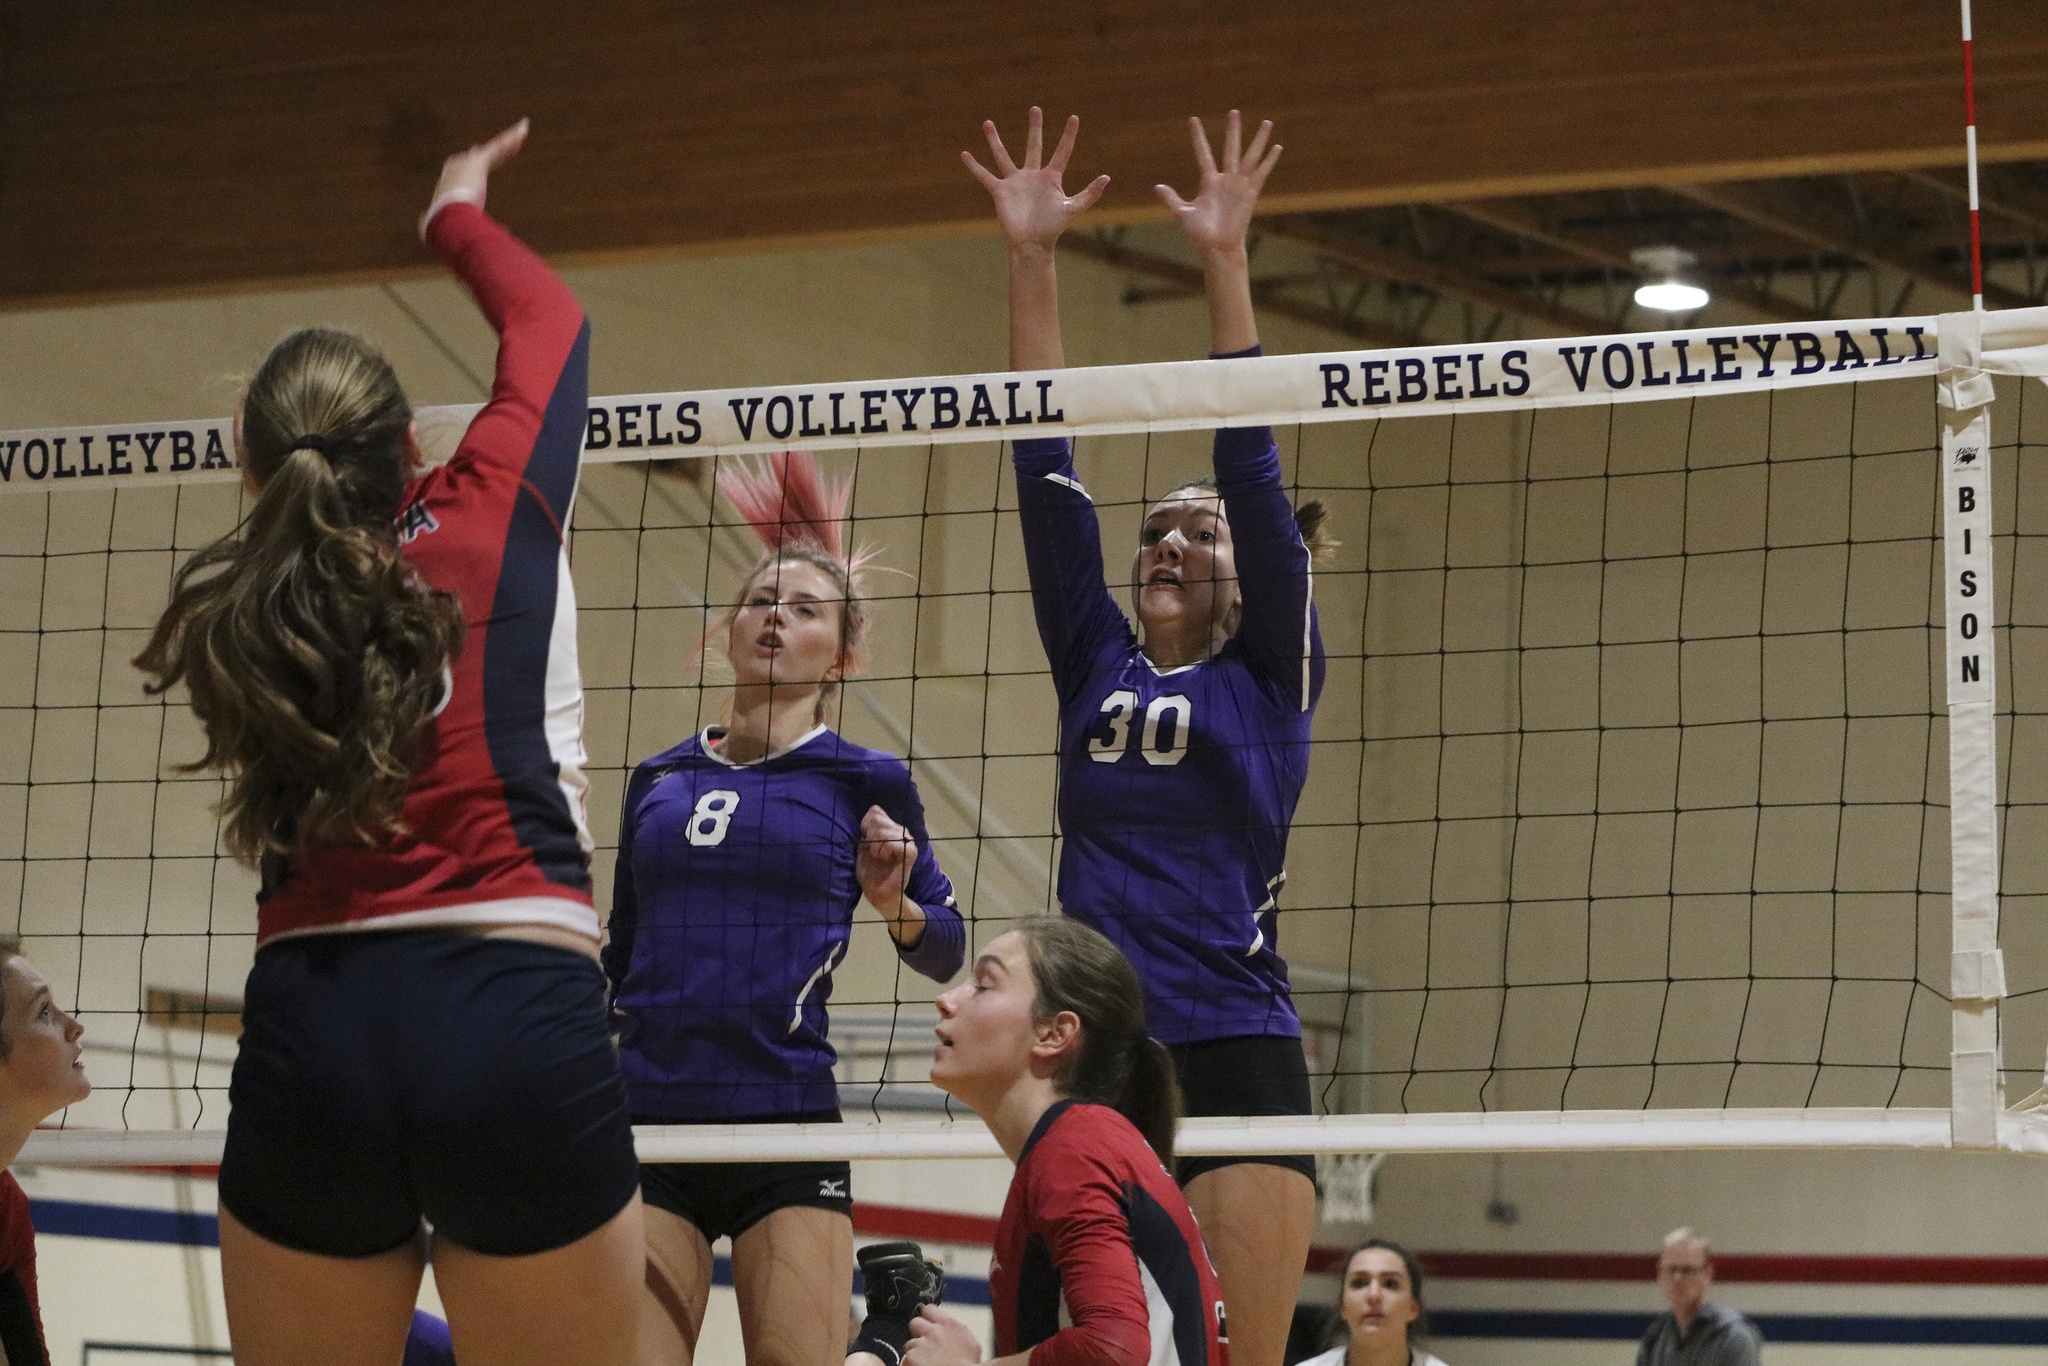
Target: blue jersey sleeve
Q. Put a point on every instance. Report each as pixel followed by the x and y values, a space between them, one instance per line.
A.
pixel 1063 553
pixel 1278 632
pixel 617 954
pixel 942 948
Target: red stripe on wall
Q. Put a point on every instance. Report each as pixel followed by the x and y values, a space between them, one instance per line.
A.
pixel 1752 1268
pixel 895 1221
pixel 924 1225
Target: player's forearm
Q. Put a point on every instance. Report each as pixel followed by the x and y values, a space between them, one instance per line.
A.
pixel 906 922
pixel 1035 310
pixel 1227 280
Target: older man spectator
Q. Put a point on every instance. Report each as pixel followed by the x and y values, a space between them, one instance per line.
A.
pixel 1695 1332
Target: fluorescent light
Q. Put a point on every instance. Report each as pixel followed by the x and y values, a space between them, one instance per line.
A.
pixel 1665 286
pixel 1671 296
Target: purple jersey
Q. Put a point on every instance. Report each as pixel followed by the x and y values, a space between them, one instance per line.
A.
pixel 1177 786
pixel 733 902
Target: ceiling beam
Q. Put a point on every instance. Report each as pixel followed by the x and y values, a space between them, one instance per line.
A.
pixel 1751 206
pixel 1181 277
pixel 1386 264
pixel 1522 222
pixel 2026 211
pixel 153 147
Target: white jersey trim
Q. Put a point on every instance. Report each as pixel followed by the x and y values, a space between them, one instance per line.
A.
pixel 1308 610
pixel 704 739
pixel 1159 1318
pixel 518 910
pixel 1069 482
pixel 1337 1355
pixel 1158 672
pixel 564 707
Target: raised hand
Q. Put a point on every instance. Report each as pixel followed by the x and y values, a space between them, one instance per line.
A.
pixel 467 175
pixel 1031 205
pixel 1220 214
pixel 883 865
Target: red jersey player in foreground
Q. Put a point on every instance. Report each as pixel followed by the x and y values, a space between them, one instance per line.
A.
pixel 42 1070
pixel 1046 1042
pixel 384 661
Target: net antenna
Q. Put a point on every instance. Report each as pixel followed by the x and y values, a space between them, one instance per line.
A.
pixel 1970 160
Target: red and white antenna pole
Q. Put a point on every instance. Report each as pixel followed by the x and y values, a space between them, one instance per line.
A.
pixel 1970 152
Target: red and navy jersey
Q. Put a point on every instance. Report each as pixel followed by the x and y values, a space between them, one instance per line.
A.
pixel 21 1316
pixel 1097 1258
pixel 734 901
pixel 494 820
pixel 1177 786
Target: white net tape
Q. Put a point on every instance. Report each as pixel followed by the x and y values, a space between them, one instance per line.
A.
pixel 1493 1054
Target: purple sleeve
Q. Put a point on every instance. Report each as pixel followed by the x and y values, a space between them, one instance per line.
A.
pixel 1063 552
pixel 1278 632
pixel 617 953
pixel 942 948
pixel 428 1343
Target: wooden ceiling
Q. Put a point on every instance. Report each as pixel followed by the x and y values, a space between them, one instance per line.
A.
pixel 165 146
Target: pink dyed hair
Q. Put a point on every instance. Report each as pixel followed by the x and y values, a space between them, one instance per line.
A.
pixel 800 516
pixel 789 501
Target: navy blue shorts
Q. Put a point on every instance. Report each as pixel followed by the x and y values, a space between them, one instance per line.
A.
pixel 391 1077
pixel 725 1199
pixel 1259 1074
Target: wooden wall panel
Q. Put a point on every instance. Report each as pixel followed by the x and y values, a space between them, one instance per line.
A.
pixel 151 146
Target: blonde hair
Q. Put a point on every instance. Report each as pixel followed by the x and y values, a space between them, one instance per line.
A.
pixel 1310 519
pixel 799 516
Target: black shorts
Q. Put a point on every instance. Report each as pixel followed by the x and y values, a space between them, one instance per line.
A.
pixel 390 1077
pixel 725 1199
pixel 1259 1074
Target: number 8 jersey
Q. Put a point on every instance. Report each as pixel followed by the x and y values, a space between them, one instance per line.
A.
pixel 733 902
pixel 1177 786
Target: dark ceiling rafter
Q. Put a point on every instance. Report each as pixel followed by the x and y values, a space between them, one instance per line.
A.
pixel 2020 208
pixel 1186 280
pixel 1385 263
pixel 1755 207
pixel 1521 221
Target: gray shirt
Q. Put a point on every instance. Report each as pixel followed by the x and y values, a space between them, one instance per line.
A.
pixel 1718 1337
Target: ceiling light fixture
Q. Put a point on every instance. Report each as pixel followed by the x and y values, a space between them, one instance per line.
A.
pixel 1665 286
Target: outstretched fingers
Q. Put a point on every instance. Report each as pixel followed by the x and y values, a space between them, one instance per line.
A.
pixel 997 152
pixel 1204 157
pixel 1085 200
pixel 505 145
pixel 1058 164
pixel 989 179
pixel 1265 168
pixel 1259 141
pixel 1034 139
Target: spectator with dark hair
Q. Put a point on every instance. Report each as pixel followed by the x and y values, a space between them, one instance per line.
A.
pixel 1381 1310
pixel 42 1070
pixel 1694 1332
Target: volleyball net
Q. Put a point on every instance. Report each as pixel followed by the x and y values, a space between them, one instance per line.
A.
pixel 1679 750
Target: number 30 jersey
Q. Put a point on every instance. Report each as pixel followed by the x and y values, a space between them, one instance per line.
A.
pixel 1177 786
pixel 733 901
